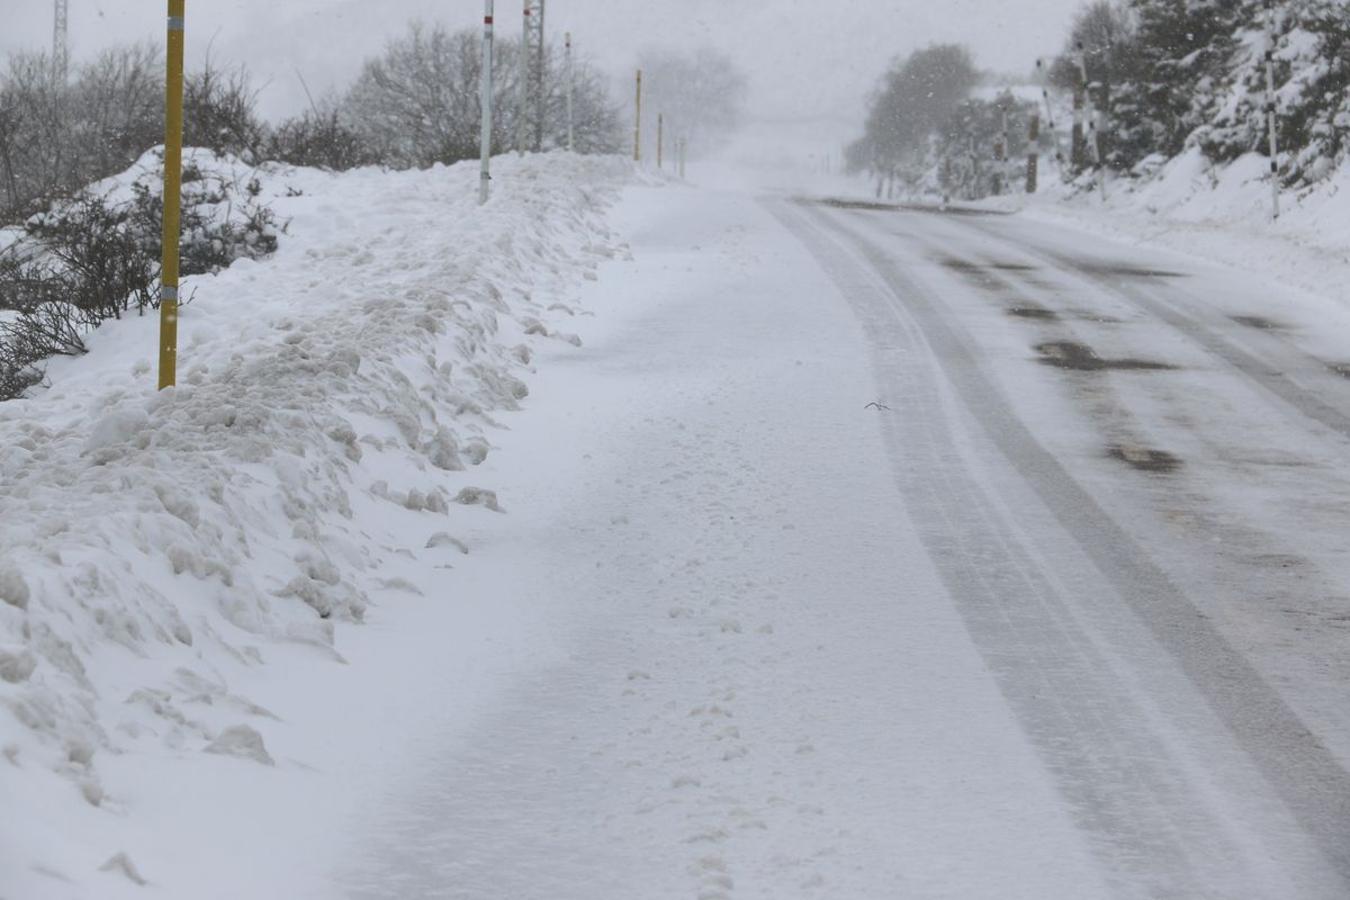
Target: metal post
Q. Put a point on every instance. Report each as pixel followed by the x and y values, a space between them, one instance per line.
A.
pixel 1033 151
pixel 1272 121
pixel 571 89
pixel 660 140
pixel 1001 153
pixel 61 41
pixel 485 100
pixel 1050 126
pixel 637 121
pixel 1009 166
pixel 537 87
pixel 173 178
pixel 1098 126
pixel 1094 122
pixel 523 112
pixel 1077 146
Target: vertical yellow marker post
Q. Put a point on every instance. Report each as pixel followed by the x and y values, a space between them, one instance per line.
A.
pixel 637 122
pixel 173 182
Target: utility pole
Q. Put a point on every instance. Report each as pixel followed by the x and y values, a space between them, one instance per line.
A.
pixel 61 41
pixel 1002 153
pixel 637 121
pixel 1272 122
pixel 660 140
pixel 684 150
pixel 571 89
pixel 530 127
pixel 537 89
pixel 485 100
pixel 173 181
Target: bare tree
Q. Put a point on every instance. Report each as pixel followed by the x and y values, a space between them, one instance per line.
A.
pixel 418 103
pixel 321 137
pixel 914 102
pixel 55 138
pixel 118 104
pixel 33 143
pixel 701 94
pixel 219 113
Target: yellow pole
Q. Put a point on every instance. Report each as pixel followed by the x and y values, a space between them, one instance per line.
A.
pixel 173 179
pixel 637 122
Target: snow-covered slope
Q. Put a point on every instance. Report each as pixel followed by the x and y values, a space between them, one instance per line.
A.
pixel 158 550
pixel 1223 213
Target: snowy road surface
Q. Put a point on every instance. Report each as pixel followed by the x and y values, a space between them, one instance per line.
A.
pixel 882 553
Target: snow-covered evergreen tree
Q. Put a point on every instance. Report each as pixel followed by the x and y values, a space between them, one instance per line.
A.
pixel 1312 77
pixel 1185 50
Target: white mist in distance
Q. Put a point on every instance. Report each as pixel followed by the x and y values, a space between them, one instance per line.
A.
pixel 810 63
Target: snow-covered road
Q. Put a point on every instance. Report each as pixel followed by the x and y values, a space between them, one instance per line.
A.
pixel 761 688
pixel 884 553
pixel 833 551
pixel 1126 469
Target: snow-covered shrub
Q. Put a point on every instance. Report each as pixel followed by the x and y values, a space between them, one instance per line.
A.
pixel 83 264
pixel 321 139
pixel 219 113
pixel 96 257
pixel 56 137
pixel 222 216
pixel 963 149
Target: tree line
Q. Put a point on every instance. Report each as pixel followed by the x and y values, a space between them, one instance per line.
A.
pixel 81 258
pixel 415 104
pixel 1167 75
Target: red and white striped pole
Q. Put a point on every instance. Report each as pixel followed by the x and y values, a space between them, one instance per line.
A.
pixel 485 100
pixel 1050 128
pixel 1093 117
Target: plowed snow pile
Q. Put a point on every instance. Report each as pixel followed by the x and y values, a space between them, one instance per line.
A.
pixel 156 547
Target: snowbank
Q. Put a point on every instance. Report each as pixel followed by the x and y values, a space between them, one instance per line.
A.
pixel 1223 213
pixel 156 547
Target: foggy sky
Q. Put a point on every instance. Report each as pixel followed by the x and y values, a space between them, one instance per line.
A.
pixel 806 58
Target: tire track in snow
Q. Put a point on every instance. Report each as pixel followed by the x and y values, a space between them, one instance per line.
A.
pixel 1242 435
pixel 1159 822
pixel 1273 380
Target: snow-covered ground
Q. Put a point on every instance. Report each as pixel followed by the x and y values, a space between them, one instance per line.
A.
pixel 1223 214
pixel 798 572
pixel 182 572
